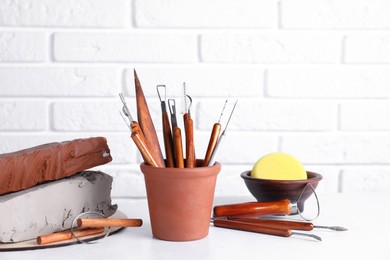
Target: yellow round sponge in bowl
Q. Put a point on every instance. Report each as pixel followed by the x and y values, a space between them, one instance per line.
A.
pixel 279 166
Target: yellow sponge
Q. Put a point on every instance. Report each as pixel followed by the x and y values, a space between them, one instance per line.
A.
pixel 279 166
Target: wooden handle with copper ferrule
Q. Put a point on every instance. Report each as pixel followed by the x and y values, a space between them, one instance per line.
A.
pixel 140 142
pixel 190 146
pixel 178 147
pixel 168 142
pixel 213 141
pixel 66 235
pixel 224 223
pixel 294 225
pixel 253 209
pixel 108 222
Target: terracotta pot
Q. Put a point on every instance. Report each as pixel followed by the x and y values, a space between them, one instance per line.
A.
pixel 180 200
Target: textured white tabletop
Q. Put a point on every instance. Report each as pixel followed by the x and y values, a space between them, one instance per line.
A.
pixel 365 215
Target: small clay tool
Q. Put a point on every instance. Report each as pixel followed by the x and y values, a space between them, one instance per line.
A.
pixel 212 159
pixel 296 225
pixel 255 209
pixel 168 142
pixel 245 226
pixel 108 222
pixel 66 235
pixel 177 142
pixel 137 135
pixel 189 130
pixel 213 138
pixel 146 123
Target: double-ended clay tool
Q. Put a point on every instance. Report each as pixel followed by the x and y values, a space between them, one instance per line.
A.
pixel 146 123
pixel 167 133
pixel 189 130
pixel 213 138
pixel 221 137
pixel 177 142
pixel 137 135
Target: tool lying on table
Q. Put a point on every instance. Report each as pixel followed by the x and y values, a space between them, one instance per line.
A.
pixel 138 136
pixel 214 152
pixel 177 143
pixel 252 227
pixel 167 133
pixel 240 217
pixel 189 130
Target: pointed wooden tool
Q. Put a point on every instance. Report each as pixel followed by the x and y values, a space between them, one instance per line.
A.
pixel 146 123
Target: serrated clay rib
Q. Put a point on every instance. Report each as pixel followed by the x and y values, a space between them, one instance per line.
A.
pixel 26 168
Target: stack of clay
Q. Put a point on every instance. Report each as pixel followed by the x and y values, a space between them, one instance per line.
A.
pixel 43 188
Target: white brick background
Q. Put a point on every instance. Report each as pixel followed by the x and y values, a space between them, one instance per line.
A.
pixel 312 78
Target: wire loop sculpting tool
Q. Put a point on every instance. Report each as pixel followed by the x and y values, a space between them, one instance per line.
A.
pixel 177 142
pixel 137 135
pixel 212 158
pixel 213 138
pixel 168 142
pixel 189 131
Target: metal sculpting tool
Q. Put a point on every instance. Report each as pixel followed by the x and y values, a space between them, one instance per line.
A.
pixel 177 142
pixel 137 135
pixel 168 141
pixel 213 138
pixel 212 158
pixel 189 130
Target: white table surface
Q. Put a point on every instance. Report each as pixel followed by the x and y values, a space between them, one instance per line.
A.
pixel 366 215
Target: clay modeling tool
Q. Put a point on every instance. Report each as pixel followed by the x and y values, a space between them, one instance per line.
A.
pixel 296 225
pixel 245 226
pixel 137 135
pixel 66 235
pixel 213 138
pixel 146 123
pixel 212 158
pixel 177 143
pixel 167 133
pixel 189 130
pixel 255 209
pixel 108 222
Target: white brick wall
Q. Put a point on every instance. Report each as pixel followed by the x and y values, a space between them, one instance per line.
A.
pixel 312 78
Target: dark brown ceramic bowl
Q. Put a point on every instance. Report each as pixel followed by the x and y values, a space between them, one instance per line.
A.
pixel 273 190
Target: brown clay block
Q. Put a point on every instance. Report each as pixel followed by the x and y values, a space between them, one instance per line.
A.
pixel 26 168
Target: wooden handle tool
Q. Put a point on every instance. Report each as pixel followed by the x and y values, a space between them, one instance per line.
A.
pixel 108 222
pixel 213 141
pixel 66 235
pixel 253 209
pixel 190 146
pixel 146 123
pixel 188 129
pixel 213 138
pixel 177 141
pixel 138 136
pixel 168 142
pixel 244 226
pixel 295 225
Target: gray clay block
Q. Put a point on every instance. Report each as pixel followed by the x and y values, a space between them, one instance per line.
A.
pixel 51 207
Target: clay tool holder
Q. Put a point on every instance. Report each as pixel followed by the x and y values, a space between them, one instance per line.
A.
pixel 176 131
pixel 189 131
pixel 212 158
pixel 213 138
pixel 167 133
pixel 138 136
pixel 146 123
